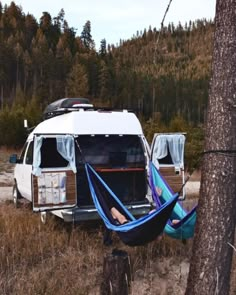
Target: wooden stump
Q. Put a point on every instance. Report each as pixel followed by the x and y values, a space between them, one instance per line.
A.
pixel 116 273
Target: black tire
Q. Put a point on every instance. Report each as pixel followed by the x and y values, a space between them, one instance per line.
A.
pixel 16 195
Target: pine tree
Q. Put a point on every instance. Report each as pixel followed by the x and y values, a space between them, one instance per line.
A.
pixel 77 82
pixel 86 36
pixel 215 229
pixel 103 48
pixel 104 78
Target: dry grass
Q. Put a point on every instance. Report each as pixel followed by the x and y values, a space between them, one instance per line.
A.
pixel 37 259
pixel 58 258
pixel 63 259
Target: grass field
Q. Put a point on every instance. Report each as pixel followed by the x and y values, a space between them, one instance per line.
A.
pixel 59 258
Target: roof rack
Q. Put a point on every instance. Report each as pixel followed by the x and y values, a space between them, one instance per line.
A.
pixel 66 105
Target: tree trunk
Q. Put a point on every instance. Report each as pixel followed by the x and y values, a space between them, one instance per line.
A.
pixel 116 274
pixel 212 255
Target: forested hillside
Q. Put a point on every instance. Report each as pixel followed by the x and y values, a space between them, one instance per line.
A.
pixel 47 60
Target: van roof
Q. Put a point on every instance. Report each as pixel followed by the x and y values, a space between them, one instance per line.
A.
pixel 89 122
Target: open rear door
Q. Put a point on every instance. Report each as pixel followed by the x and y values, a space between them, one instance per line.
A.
pixel 167 154
pixel 54 173
pixel 54 190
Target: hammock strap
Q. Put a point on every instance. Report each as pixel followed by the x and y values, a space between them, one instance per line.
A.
pixel 230 153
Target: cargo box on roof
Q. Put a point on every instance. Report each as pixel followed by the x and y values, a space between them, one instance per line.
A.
pixel 59 106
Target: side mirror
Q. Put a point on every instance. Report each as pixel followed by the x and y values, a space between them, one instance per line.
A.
pixel 13 159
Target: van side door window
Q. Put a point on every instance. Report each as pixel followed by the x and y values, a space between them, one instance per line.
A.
pixel 29 154
pixel 23 171
pixel 21 159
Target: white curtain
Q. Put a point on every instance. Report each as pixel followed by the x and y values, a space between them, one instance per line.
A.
pixel 160 150
pixel 38 140
pixel 176 148
pixel 66 148
pixel 175 143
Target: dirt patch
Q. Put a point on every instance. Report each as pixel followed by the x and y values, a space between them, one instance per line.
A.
pixel 195 175
pixel 192 188
pixel 6 178
pixel 6 174
pixel 159 277
pixel 5 193
pixel 5 166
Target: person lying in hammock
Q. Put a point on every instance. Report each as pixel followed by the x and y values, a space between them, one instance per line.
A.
pixel 118 216
pixel 122 219
pixel 159 192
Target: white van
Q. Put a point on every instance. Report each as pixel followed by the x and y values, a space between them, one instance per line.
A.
pixel 50 171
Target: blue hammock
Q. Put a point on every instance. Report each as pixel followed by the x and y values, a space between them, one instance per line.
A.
pixel 137 231
pixel 184 229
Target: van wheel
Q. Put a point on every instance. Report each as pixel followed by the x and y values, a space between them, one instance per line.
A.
pixel 16 195
pixel 43 217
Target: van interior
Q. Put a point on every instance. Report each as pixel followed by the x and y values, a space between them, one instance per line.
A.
pixel 118 159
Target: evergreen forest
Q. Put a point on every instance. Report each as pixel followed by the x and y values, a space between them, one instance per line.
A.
pixel 165 83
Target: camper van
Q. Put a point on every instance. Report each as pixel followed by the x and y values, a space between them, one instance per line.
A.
pixel 50 171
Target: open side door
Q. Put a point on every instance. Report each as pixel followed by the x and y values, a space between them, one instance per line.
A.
pixel 54 173
pixel 167 154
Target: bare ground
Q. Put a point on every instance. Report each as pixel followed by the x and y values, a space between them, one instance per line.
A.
pixel 6 175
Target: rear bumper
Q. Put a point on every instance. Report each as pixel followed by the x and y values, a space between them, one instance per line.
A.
pixel 87 214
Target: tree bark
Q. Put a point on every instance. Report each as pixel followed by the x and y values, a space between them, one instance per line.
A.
pixel 116 274
pixel 212 255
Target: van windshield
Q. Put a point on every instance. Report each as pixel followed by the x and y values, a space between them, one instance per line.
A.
pixel 112 151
